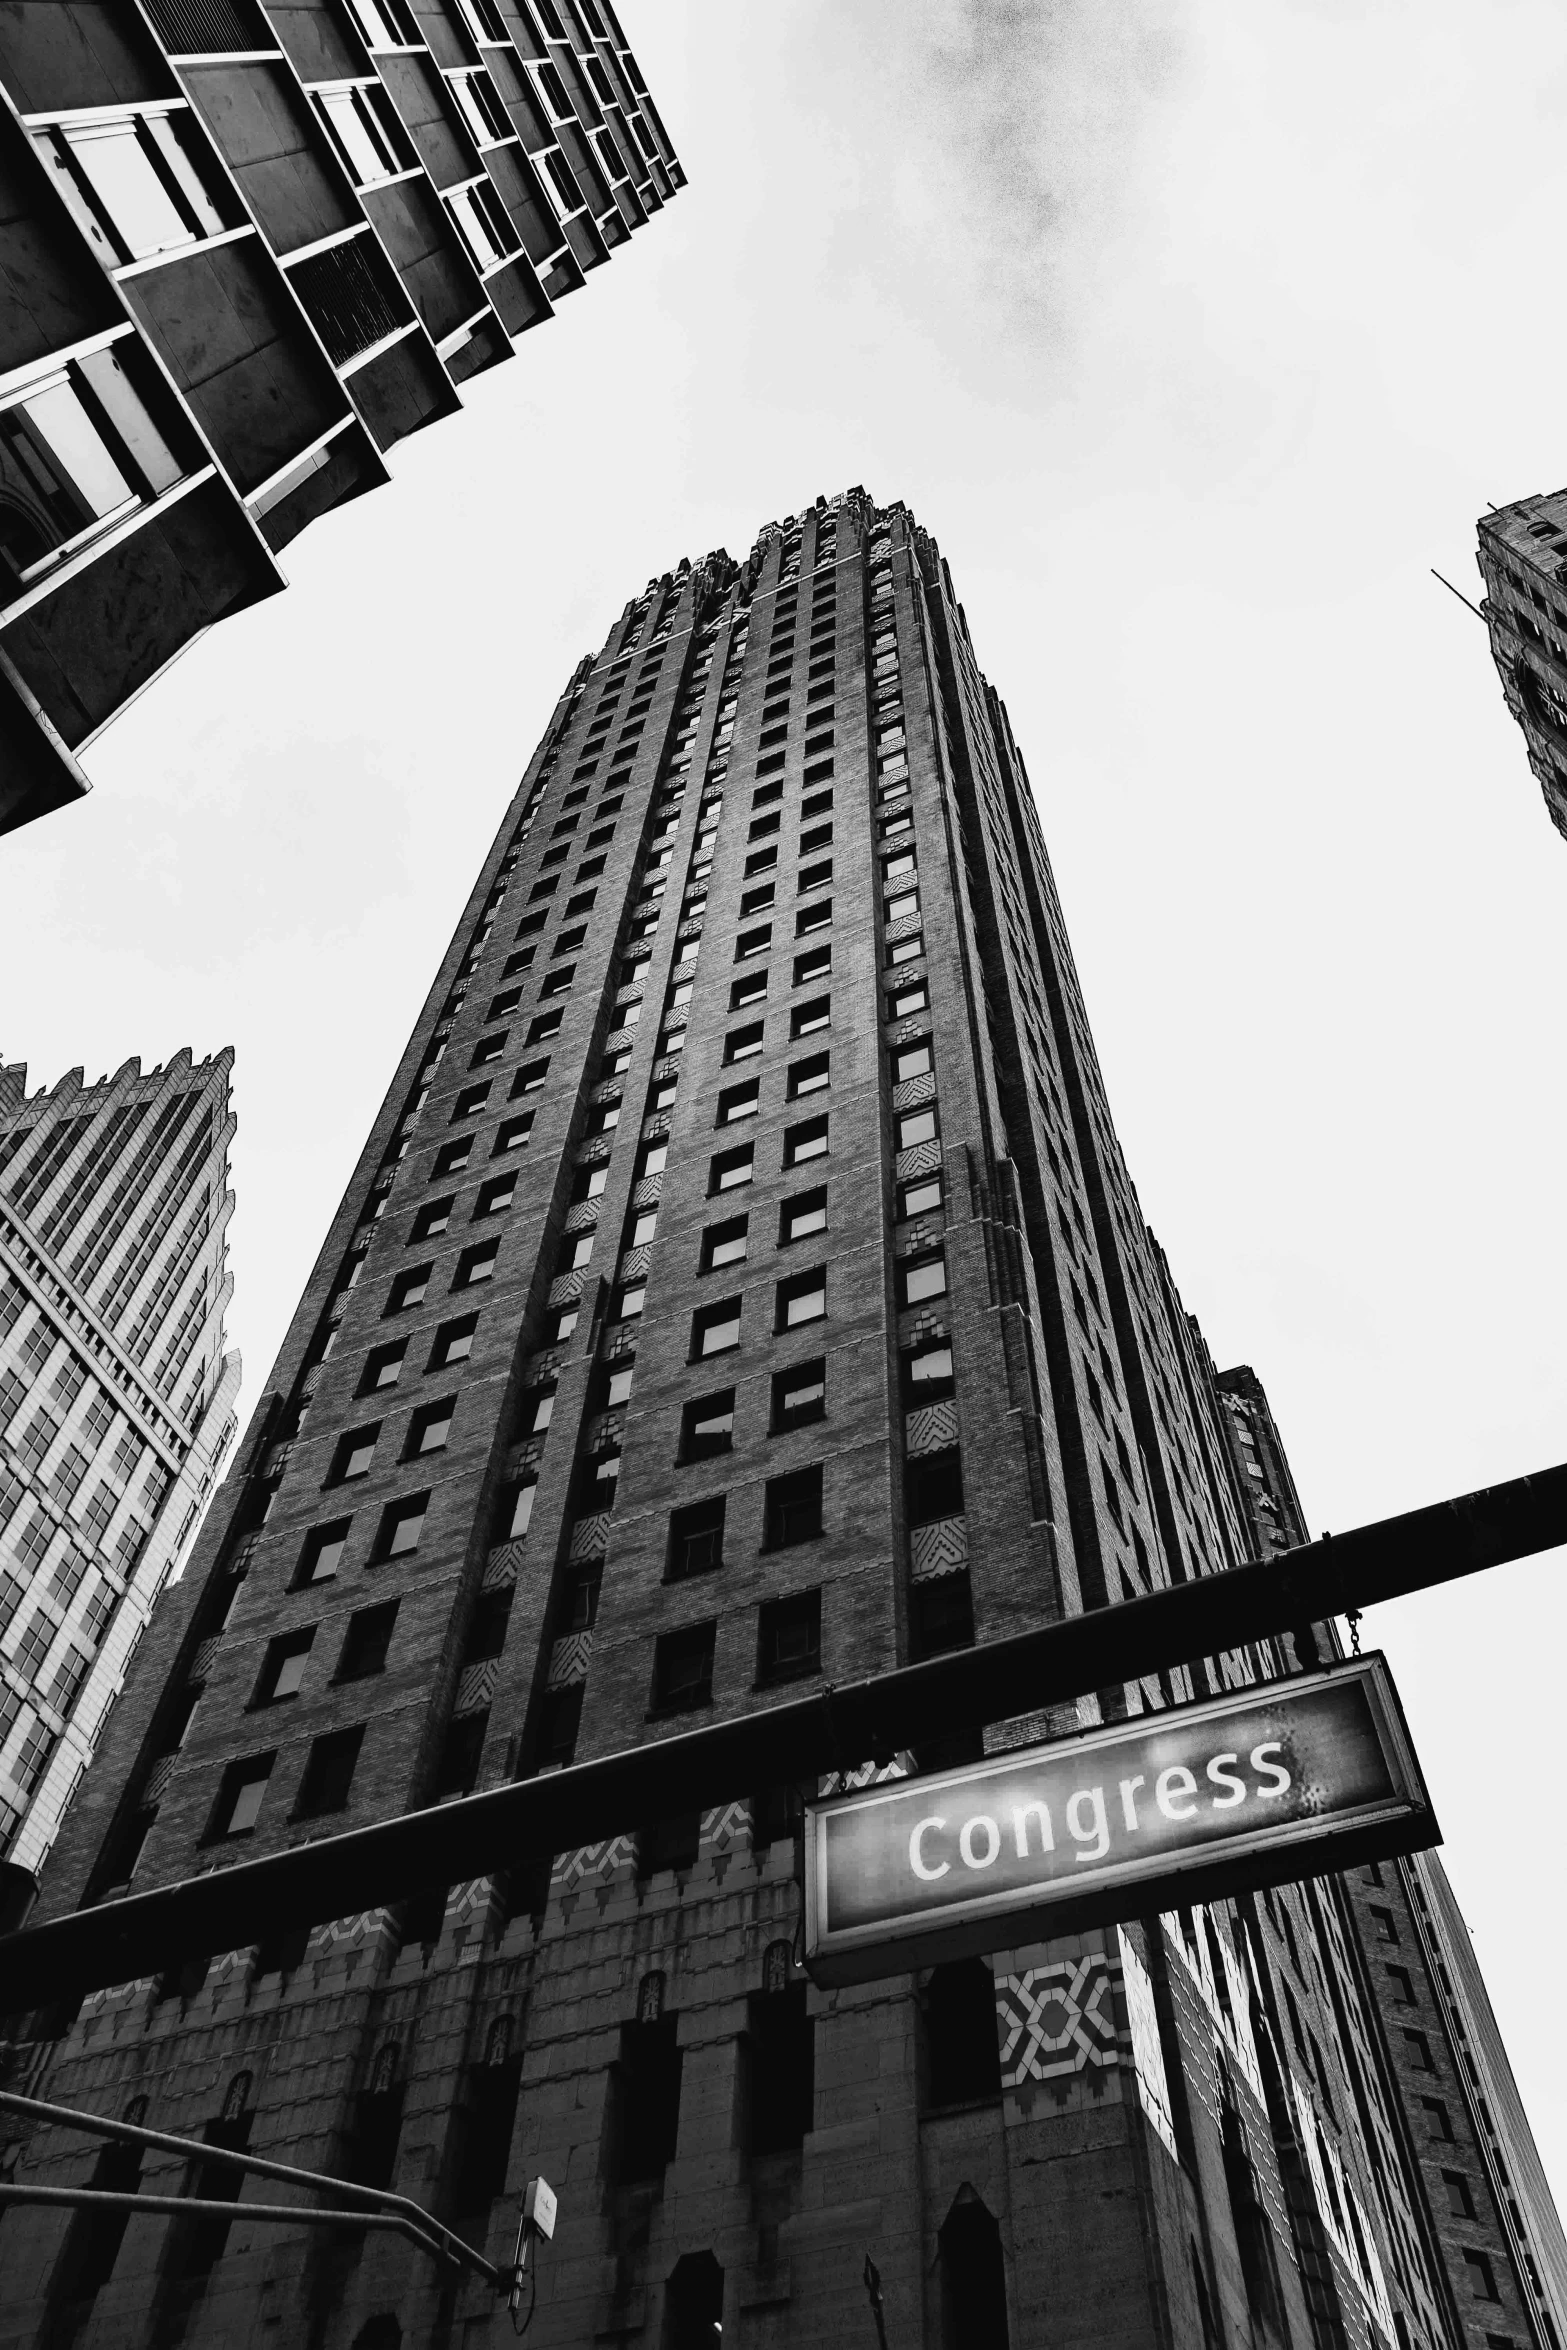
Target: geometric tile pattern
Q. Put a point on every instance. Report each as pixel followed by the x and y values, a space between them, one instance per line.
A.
pixel 938 1549
pixel 1056 2020
pixel 476 1686
pixel 923 1159
pixel 930 1429
pixel 569 1659
pixel 590 1537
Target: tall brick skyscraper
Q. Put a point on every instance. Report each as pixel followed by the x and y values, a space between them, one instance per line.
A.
pixel 116 1396
pixel 742 1286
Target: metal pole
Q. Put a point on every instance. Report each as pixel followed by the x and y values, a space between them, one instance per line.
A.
pixel 228 1909
pixel 387 2209
pixel 204 2206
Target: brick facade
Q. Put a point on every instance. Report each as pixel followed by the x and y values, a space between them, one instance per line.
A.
pixel 745 1387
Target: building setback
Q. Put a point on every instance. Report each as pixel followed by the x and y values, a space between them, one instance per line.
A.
pixel 116 1397
pixel 742 1285
pixel 1523 561
pixel 248 249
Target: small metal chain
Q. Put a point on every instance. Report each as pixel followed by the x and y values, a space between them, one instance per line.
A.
pixel 1353 1620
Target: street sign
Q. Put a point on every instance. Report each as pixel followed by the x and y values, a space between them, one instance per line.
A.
pixel 1282 1780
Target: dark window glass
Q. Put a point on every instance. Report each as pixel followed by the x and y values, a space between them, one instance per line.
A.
pixel 933 1484
pixel 409 1288
pixel 453 1342
pixel 460 1756
pixel 789 1638
pixel 715 1329
pixel 800 1216
pixel 729 1170
pixel 799 1396
pixel 353 1454
pixel 696 1539
pixel 366 1642
pixel 707 1426
pixel 941 1616
pixel 802 1143
pixel 962 2061
pixel 683 1668
pixel 927 1376
pixel 323 1552
pixel 329 1773
pixel 794 1508
pixel 724 1244
pixel 283 1667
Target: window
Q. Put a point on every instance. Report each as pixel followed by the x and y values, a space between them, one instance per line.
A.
pixel 453 1343
pixel 715 1329
pixel 1459 2200
pixel 559 1323
pixel 748 991
pixel 596 1481
pixel 512 1133
pixel 366 1642
pixel 803 1299
pixel 487 1625
pixel 810 918
pixel 754 942
pixel 476 1265
pixel 707 1426
pixel 920 1278
pixel 402 1524
pixel 383 1367
pixel 1403 1985
pixel 555 1738
pixel 577 1251
pixel 452 1156
pixel 432 1218
pixel 240 1794
pixel 1387 1931
pixel 815 963
pixel 544 1027
pixel 724 1244
pixel 517 1513
pixel 283 1667
pixel 629 1302
pixel 529 1078
pixel 941 1616
pixel 1418 2049
pixel 919 1198
pixel 135 184
pixel 805 1142
pixel 488 1048
pixel 933 1486
pixel 913 1060
pixel 555 983
pixel 430 1428
pixel 906 950
pixel 587 1183
pixel 323 1553
pixel 904 908
pixel 696 1540
pixel 329 1773
pixel 741 1043
pixel 793 1509
pixel 683 1669
pixel 801 1215
pixel 354 1453
pixel 470 1101
pixel 1438 2121
pixel 729 1170
pixel 806 1077
pixel 651 1160
pixel 927 1376
pixel 737 1102
pixel 961 2062
pixel 915 1127
pixel 409 1288
pixel 604 1117
pixel 1482 2281
pixel 495 1196
pixel 789 1639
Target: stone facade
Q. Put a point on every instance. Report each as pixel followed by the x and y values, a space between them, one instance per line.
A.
pixel 116 1396
pixel 742 1285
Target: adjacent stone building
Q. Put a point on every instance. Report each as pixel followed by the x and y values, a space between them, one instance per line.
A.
pixel 1493 2223
pixel 249 248
pixel 1523 561
pixel 742 1286
pixel 116 1396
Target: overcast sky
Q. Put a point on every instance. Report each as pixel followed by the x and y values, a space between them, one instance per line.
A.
pixel 1196 333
